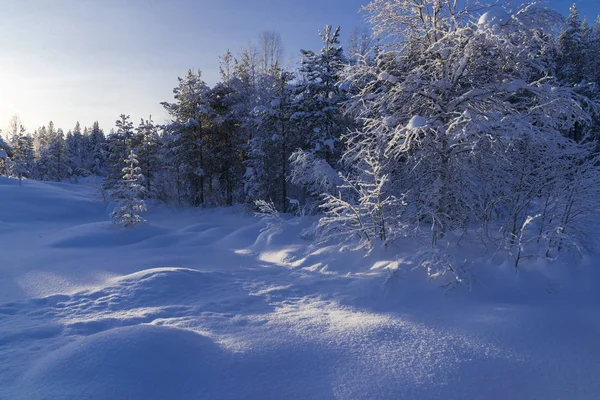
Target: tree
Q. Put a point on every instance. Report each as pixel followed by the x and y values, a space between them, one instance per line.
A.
pixel 463 121
pixel 187 143
pixel 227 137
pixel 23 155
pixel 593 54
pixel 119 145
pixel 246 67
pixel 76 149
pixel 95 156
pixel 148 146
pixel 320 98
pixel 361 46
pixel 51 163
pixel 571 49
pixel 275 140
pixel 5 150
pixel 270 50
pixel 129 194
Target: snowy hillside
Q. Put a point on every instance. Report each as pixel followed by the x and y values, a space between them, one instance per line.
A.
pixel 212 304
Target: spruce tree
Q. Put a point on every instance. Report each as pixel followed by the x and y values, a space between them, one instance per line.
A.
pixel 129 193
pixel 571 51
pixel 96 151
pixel 276 137
pixel 75 143
pixel 5 150
pixel 119 146
pixel 320 98
pixel 187 147
pixel 23 156
pixel 148 147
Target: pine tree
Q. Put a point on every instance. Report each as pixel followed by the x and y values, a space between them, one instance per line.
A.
pixel 5 150
pixel 58 155
pixel 119 145
pixel 76 149
pixel 51 152
pixel 23 155
pixel 227 138
pixel 318 108
pixel 41 144
pixel 593 57
pixel 246 68
pixel 148 147
pixel 571 49
pixel 275 139
pixel 95 157
pixel 128 194
pixel 187 146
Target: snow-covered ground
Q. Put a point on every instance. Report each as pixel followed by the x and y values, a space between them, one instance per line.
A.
pixel 210 304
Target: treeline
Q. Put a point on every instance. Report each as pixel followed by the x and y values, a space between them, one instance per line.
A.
pixel 224 144
pixel 50 154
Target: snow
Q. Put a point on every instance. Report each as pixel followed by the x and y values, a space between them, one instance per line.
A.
pixel 390 121
pixel 493 19
pixel 385 76
pixel 416 122
pixel 214 303
pixel 149 355
pixel 191 123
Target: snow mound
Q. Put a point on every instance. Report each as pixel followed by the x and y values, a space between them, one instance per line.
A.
pixel 162 282
pixel 493 19
pixel 416 122
pixel 104 234
pixel 34 201
pixel 137 362
pixel 385 76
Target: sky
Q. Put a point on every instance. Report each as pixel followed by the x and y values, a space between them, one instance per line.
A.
pixel 88 60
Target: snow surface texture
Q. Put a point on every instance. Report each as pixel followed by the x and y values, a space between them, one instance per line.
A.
pixel 215 304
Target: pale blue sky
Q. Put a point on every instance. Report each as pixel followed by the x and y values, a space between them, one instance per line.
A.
pixel 86 60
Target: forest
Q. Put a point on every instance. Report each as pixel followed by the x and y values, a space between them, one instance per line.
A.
pixel 445 121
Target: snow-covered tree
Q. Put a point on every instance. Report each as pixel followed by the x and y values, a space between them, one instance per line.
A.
pixel 148 146
pixel 227 136
pixel 186 146
pixel 592 58
pixel 58 154
pixel 119 145
pixel 23 155
pixel 41 144
pixel 5 150
pixel 571 49
pixel 276 137
pixel 462 120
pixel 318 105
pixel 128 194
pixel 51 153
pixel 246 68
pixel 95 155
pixel 76 149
